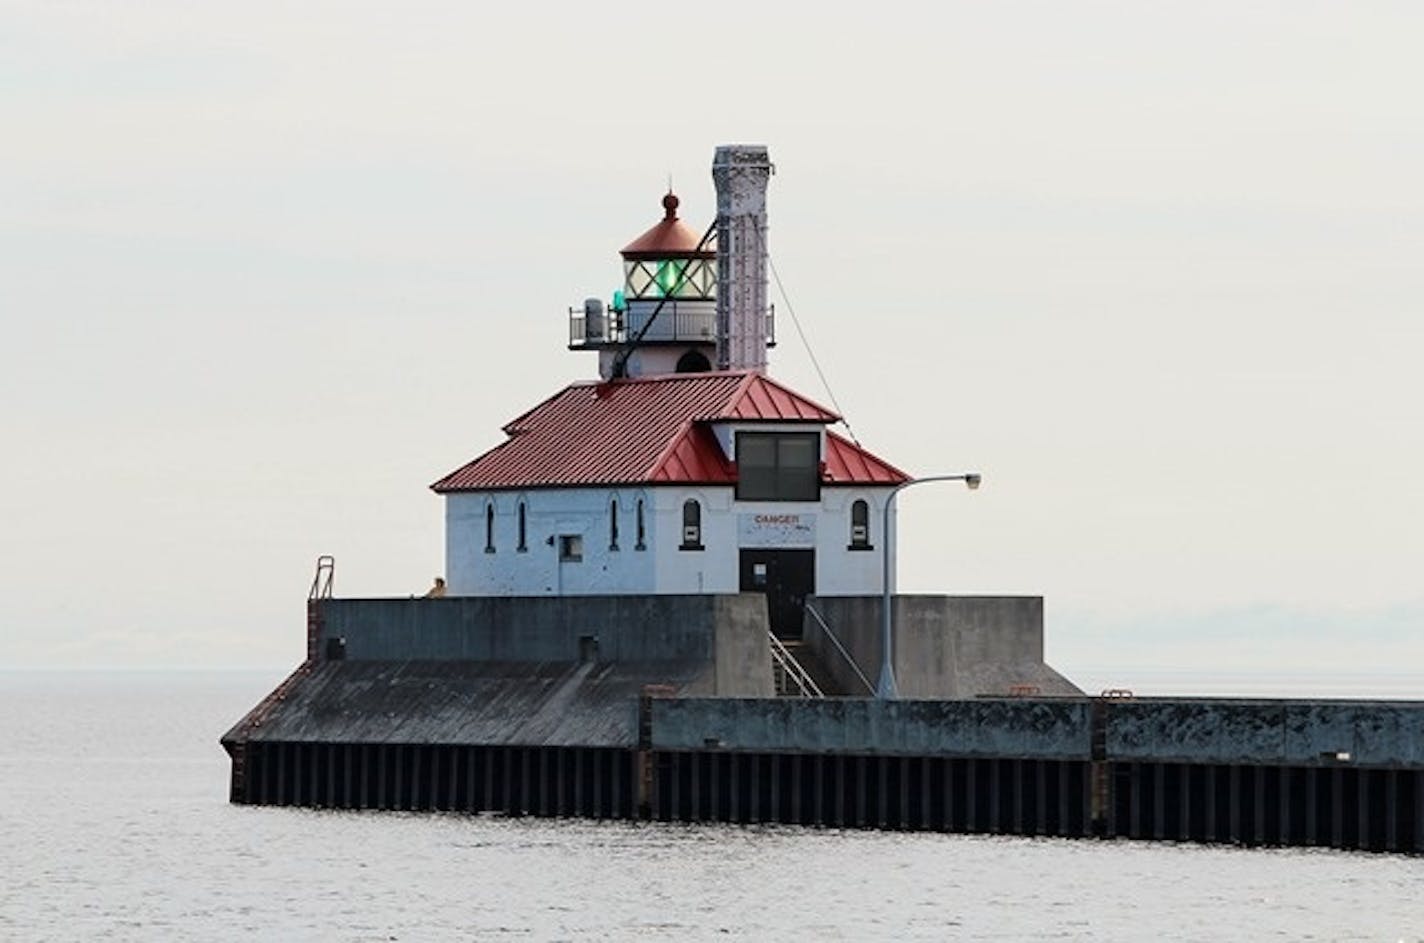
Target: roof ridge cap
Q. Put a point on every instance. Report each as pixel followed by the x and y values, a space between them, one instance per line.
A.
pixel 738 394
pixel 669 447
pixel 802 397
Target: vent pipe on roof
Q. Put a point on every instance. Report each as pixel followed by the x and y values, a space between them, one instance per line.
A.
pixel 741 173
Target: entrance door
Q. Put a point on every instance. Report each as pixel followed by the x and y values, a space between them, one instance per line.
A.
pixel 787 577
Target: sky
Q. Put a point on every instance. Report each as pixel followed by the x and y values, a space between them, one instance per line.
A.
pixel 1154 269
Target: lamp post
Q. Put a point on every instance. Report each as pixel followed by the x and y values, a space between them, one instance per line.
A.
pixel 886 690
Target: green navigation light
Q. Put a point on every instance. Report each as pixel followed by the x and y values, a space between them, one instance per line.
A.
pixel 668 274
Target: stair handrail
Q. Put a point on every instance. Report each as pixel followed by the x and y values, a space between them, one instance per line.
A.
pixel 793 668
pixel 841 648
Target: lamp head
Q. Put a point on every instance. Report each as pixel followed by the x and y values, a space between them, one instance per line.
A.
pixel 972 481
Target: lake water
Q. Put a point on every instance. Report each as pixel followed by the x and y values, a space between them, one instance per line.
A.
pixel 114 825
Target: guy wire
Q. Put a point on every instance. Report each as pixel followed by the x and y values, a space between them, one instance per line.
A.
pixel 802 334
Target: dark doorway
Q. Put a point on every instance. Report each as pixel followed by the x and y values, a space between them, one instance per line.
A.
pixel 694 361
pixel 787 577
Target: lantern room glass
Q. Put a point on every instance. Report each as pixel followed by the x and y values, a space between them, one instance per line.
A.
pixel 693 279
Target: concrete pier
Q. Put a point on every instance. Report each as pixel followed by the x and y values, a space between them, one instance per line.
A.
pixel 663 708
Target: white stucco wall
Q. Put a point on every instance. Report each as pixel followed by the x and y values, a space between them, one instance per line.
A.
pixel 660 566
pixel 550 513
pixel 652 361
pixel 839 570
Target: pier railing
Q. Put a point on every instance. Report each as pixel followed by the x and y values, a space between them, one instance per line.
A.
pixel 694 324
pixel 825 627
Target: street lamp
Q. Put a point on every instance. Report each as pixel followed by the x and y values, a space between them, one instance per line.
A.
pixel 886 690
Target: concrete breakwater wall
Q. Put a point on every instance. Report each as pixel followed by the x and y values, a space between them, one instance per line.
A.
pixel 1011 766
pixel 1326 733
pixel 663 708
pixel 1345 774
pixel 726 635
pixel 945 646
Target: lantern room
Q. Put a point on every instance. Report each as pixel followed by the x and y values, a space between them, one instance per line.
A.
pixel 664 318
pixel 670 261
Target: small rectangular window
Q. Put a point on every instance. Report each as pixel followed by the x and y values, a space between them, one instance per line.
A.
pixel 570 548
pixel 778 466
pixel 756 467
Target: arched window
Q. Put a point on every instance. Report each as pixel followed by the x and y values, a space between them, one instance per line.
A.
pixel 859 526
pixel 642 543
pixel 523 529
pixel 691 525
pixel 613 524
pixel 489 528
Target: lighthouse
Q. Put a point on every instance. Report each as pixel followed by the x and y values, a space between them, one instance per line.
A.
pixel 685 467
pixel 652 584
pixel 690 301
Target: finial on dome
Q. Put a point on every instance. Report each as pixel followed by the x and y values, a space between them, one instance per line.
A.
pixel 670 204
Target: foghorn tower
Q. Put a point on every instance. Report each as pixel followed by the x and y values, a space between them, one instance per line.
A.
pixel 741 173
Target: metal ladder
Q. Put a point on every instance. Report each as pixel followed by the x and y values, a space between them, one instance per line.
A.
pixel 320 589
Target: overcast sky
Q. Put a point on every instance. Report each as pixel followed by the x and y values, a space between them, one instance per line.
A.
pixel 267 270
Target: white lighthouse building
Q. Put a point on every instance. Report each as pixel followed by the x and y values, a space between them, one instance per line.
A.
pixel 684 468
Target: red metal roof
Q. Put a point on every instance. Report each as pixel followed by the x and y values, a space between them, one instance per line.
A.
pixel 848 464
pixel 762 398
pixel 651 430
pixel 695 456
pixel 670 238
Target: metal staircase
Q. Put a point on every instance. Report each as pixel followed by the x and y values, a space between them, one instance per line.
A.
pixel 789 677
